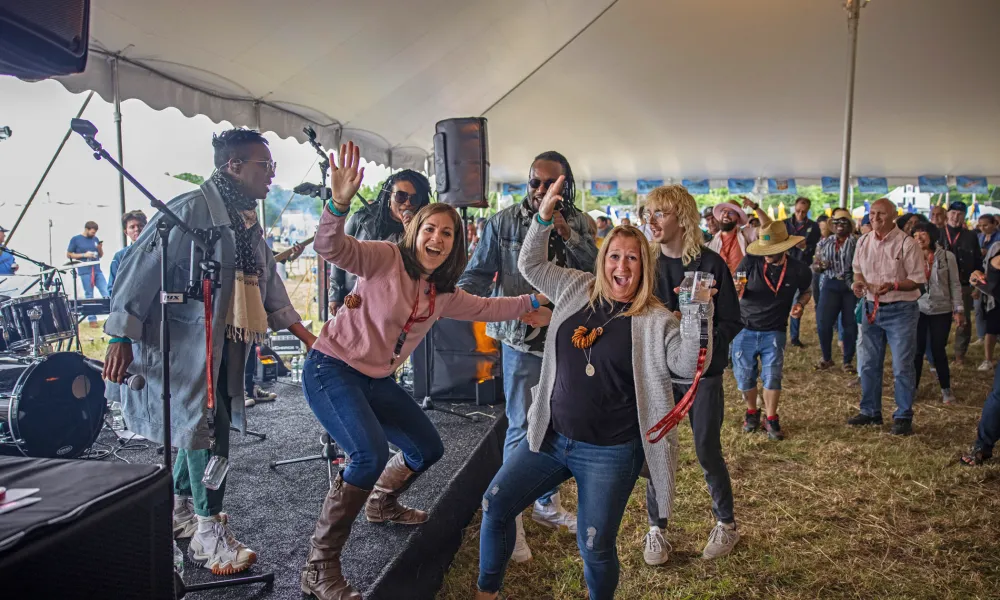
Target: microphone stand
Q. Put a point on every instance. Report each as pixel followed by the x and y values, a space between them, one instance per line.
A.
pixel 323 281
pixel 206 270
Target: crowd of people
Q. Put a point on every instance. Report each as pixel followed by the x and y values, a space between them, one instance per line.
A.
pixel 594 353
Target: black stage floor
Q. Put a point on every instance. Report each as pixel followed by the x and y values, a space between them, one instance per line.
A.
pixel 273 511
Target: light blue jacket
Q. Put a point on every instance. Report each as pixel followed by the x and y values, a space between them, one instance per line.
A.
pixel 135 314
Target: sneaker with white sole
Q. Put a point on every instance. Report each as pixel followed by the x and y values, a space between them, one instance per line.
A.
pixel 522 553
pixel 721 541
pixel 986 366
pixel 947 397
pixel 656 550
pixel 553 515
pixel 185 521
pixel 260 395
pixel 214 547
pixel 249 402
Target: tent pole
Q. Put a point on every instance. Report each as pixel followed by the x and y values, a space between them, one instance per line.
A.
pixel 47 169
pixel 118 131
pixel 853 16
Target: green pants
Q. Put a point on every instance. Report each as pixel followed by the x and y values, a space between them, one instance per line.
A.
pixel 189 467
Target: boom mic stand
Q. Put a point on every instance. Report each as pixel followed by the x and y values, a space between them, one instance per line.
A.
pixel 205 271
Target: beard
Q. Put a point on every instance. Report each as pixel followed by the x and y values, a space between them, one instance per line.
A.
pixel 727 226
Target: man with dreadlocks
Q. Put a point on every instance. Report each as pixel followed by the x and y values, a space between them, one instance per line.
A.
pixel 570 245
pixel 251 299
pixel 401 196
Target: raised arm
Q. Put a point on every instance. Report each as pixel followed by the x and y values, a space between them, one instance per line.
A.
pixel 682 352
pixel 463 306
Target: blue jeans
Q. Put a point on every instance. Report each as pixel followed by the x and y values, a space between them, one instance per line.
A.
pixel 605 476
pixel 989 422
pixel 88 287
pixel 521 371
pixel 747 347
pixel 836 301
pixel 896 324
pixel 363 414
pixel 980 312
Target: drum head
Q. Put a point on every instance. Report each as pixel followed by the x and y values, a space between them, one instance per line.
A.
pixel 57 407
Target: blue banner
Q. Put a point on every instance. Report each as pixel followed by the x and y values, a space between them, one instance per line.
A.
pixel 515 189
pixel 741 186
pixel 782 186
pixel 696 186
pixel 968 184
pixel 604 189
pixel 873 185
pixel 831 185
pixel 644 186
pixel 932 184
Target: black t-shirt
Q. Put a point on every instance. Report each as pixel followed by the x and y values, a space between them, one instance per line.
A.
pixel 598 410
pixel 760 309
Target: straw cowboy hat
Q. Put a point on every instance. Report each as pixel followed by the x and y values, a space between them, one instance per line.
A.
pixel 773 239
pixel 717 212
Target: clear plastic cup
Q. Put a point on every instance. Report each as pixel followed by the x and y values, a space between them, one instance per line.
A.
pixel 702 288
pixel 215 472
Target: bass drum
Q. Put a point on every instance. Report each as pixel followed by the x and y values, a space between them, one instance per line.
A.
pixel 51 407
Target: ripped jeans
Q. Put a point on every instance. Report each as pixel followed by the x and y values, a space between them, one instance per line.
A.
pixel 605 476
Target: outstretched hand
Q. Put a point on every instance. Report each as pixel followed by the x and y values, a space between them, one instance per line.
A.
pixel 553 196
pixel 347 174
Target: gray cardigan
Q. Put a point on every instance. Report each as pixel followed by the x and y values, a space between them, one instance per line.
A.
pixel 657 349
pixel 944 288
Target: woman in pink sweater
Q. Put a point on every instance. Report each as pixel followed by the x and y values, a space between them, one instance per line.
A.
pixel 401 290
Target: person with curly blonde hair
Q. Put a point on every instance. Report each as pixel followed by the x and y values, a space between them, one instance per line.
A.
pixel 673 220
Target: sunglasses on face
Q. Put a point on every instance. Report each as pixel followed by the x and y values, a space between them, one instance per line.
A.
pixel 836 222
pixel 537 183
pixel 271 165
pixel 401 197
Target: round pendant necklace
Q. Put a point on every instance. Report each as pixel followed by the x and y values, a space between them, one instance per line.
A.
pixel 584 339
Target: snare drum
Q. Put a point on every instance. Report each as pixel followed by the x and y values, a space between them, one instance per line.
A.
pixel 51 407
pixel 55 324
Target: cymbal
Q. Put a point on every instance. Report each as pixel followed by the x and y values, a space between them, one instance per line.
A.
pixel 67 267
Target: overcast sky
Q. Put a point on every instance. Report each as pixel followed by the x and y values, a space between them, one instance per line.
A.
pixel 79 188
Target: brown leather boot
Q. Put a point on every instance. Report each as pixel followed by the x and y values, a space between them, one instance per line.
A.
pixel 383 505
pixel 321 577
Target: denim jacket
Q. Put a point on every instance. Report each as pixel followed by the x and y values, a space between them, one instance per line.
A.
pixel 496 256
pixel 135 314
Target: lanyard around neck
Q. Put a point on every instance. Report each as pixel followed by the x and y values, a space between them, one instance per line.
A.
pixel 414 319
pixel 775 288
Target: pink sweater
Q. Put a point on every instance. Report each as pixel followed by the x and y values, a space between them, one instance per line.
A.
pixel 366 336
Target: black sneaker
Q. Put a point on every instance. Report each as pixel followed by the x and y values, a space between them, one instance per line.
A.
pixel 863 419
pixel 751 422
pixel 773 429
pixel 798 344
pixel 902 427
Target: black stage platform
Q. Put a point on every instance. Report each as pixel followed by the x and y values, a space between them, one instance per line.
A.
pixel 273 511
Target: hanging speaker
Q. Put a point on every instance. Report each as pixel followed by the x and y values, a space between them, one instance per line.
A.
pixel 462 162
pixel 43 38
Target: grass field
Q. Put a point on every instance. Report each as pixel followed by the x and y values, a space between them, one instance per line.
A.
pixel 831 512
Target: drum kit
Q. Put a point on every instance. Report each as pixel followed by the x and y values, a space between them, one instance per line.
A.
pixel 52 401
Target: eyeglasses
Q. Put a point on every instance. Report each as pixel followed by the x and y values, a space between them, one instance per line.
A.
pixel 401 197
pixel 840 222
pixel 270 164
pixel 537 183
pixel 658 215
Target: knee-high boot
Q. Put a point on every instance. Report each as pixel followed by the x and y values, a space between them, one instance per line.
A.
pixel 322 577
pixel 383 504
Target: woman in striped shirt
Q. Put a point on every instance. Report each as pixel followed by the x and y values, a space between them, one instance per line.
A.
pixel 834 256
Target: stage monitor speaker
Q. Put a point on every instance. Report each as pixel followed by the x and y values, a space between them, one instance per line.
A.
pixel 462 162
pixel 43 38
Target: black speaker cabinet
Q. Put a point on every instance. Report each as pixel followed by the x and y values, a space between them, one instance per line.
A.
pixel 462 162
pixel 43 38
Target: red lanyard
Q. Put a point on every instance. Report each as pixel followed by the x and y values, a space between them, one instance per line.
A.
pixel 775 288
pixel 951 242
pixel 927 269
pixel 414 319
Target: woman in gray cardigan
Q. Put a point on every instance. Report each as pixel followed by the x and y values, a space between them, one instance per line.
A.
pixel 605 380
pixel 939 305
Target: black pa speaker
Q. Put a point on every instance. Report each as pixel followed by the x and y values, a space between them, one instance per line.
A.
pixel 43 38
pixel 462 162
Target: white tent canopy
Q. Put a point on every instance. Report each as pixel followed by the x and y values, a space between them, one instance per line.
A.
pixel 626 89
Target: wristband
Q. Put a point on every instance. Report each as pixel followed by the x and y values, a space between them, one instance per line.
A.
pixel 541 221
pixel 120 340
pixel 895 286
pixel 333 208
pixel 534 301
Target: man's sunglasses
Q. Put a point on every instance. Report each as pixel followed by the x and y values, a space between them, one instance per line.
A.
pixel 836 222
pixel 270 164
pixel 537 183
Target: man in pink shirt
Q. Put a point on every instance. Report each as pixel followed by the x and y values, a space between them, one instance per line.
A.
pixel 888 274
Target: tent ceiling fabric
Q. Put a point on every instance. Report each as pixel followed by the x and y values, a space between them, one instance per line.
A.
pixel 653 88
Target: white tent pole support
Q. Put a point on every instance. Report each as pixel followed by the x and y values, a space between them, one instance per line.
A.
pixel 853 16
pixel 118 131
pixel 34 193
pixel 546 61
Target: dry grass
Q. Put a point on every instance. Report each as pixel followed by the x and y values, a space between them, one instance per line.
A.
pixel 831 512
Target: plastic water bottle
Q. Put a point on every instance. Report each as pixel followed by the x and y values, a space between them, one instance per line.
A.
pixel 296 369
pixel 117 421
pixel 178 560
pixel 691 320
pixel 685 289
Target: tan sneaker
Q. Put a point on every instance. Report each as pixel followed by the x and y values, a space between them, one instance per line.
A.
pixel 721 541
pixel 656 550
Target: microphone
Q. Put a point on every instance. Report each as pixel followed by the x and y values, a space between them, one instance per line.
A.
pixel 135 382
pixel 311 189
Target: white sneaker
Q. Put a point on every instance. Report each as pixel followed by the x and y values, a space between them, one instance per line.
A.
pixel 522 553
pixel 986 366
pixel 249 402
pixel 215 548
pixel 721 541
pixel 656 550
pixel 185 521
pixel 554 515
pixel 947 397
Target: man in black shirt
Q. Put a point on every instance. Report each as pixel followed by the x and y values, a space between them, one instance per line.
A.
pixel 799 224
pixel 964 244
pixel 768 287
pixel 673 220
